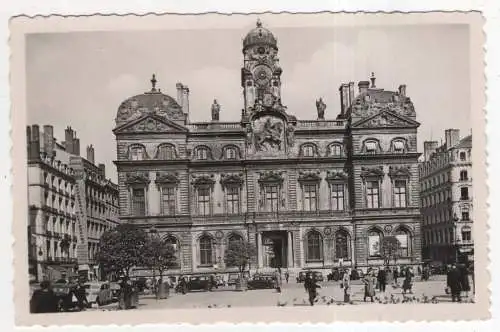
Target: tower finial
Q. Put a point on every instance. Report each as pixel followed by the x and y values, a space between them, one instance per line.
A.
pixel 259 23
pixel 373 80
pixel 153 83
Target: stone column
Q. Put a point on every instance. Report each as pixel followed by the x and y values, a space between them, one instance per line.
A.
pixel 259 250
pixel 289 250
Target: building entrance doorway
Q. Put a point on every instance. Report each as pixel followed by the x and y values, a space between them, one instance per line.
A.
pixel 275 249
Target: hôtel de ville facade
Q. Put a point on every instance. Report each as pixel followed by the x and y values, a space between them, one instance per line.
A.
pixel 309 193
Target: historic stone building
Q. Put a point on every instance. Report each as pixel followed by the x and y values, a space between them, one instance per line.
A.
pixel 446 194
pixel 71 203
pixel 313 193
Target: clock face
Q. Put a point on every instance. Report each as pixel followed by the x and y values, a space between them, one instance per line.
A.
pixel 262 75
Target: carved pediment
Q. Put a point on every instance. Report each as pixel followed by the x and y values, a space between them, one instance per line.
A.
pixel 271 176
pixel 372 172
pixel 137 177
pixel 336 176
pixel 399 171
pixel 231 179
pixel 386 119
pixel 203 180
pixel 151 123
pixel 310 176
pixel 166 178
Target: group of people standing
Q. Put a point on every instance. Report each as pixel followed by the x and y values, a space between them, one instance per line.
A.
pixel 457 281
pixel 45 300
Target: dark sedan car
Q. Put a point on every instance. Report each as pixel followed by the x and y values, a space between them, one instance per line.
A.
pixel 261 282
pixel 198 283
pixel 318 276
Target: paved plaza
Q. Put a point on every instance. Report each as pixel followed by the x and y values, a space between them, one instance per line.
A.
pixel 293 294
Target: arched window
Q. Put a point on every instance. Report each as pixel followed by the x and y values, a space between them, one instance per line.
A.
pixel 232 241
pixel 371 146
pixel 314 247
pixel 166 152
pixel 308 150
pixel 463 176
pixel 335 150
pixel 466 233
pixel 463 156
pixel 137 152
pixel 403 236
pixel 374 243
pixel 172 241
pixel 342 244
pixel 206 251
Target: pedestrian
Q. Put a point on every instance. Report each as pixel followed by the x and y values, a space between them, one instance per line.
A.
pixel 346 284
pixel 287 276
pixel 408 281
pixel 277 280
pixel 395 275
pixel 81 295
pixel 464 280
pixel 369 281
pixel 211 282
pixel 382 279
pixel 43 300
pixel 311 287
pixel 453 282
pixel 183 285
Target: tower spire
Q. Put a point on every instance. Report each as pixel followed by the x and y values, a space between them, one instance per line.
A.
pixel 153 83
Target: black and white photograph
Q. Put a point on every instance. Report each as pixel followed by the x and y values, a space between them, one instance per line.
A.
pixel 315 163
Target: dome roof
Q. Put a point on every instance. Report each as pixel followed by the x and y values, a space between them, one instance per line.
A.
pixel 259 36
pixel 151 102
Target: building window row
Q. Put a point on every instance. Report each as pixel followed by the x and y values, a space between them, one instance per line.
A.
pixel 372 146
pixel 310 150
pixel 168 151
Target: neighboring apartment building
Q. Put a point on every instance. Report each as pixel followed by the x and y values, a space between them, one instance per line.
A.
pixel 63 237
pixel 446 199
pixel 315 193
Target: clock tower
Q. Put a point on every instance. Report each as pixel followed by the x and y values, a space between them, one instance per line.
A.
pixel 261 74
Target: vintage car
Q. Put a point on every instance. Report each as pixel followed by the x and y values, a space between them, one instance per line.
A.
pixel 64 291
pixel 232 278
pixel 115 291
pixel 99 293
pixel 261 281
pixel 198 282
pixel 318 276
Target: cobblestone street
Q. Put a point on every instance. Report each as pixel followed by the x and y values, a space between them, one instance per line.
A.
pixel 293 294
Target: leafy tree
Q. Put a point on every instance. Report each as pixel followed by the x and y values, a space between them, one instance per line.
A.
pixel 159 255
pixel 239 253
pixel 390 249
pixel 122 248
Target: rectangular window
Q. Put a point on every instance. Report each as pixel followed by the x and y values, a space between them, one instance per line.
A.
pixel 465 215
pixel 166 153
pixel 372 195
pixel 138 202
pixel 233 200
pixel 337 194
pixel 204 201
pixel 310 197
pixel 168 201
pixel 272 197
pixel 464 193
pixel 399 193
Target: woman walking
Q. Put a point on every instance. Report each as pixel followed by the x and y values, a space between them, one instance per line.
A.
pixel 408 282
pixel 369 281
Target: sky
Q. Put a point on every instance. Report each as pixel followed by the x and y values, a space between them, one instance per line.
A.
pixel 80 78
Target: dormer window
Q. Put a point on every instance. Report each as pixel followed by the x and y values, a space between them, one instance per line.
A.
pixel 398 146
pixel 166 152
pixel 137 152
pixel 308 150
pixel 202 153
pixel 371 147
pixel 335 150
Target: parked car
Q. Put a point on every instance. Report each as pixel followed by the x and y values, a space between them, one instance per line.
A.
pixel 317 275
pixel 261 281
pixel 198 282
pixel 98 292
pixel 231 279
pixel 64 291
pixel 219 280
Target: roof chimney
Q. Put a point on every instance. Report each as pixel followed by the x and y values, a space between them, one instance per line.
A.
pixel 402 90
pixel 68 139
pixel 179 87
pixel 34 153
pixel 48 140
pixel 429 148
pixel 351 94
pixel 452 137
pixel 344 97
pixel 363 86
pixel 372 79
pixel 102 169
pixel 90 154
pixel 185 99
